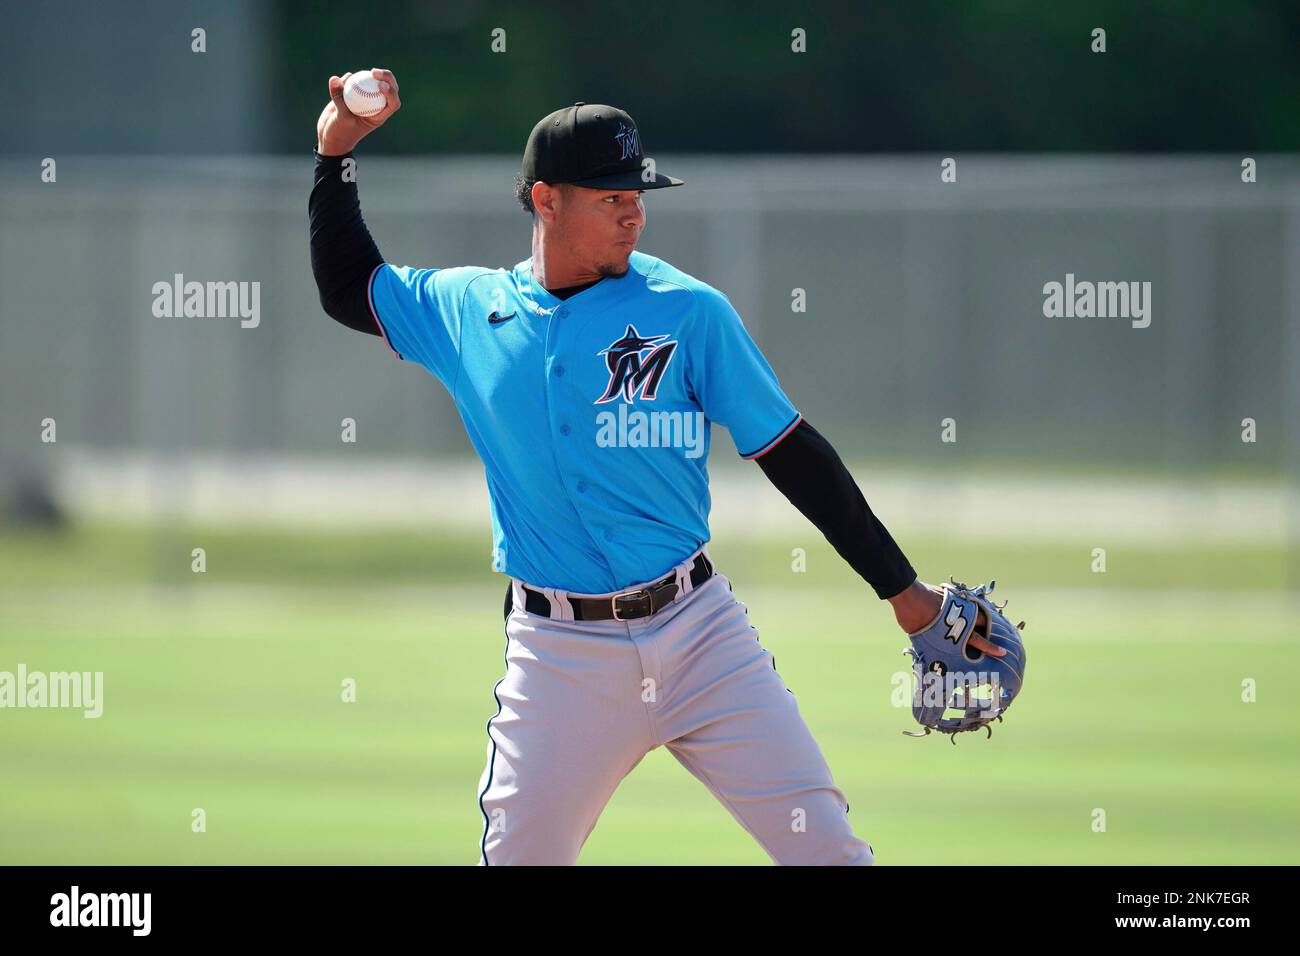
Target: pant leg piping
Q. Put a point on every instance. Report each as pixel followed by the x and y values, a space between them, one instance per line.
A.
pixel 492 758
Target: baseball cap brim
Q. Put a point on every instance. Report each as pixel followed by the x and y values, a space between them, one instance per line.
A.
pixel 630 180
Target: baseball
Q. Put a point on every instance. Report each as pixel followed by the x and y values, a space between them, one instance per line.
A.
pixel 362 95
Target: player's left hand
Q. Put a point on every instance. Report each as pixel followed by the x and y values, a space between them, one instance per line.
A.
pixel 968 657
pixel 917 607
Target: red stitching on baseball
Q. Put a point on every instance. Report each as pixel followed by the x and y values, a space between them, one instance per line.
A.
pixel 369 94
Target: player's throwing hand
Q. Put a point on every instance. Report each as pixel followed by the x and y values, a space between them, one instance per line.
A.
pixel 339 129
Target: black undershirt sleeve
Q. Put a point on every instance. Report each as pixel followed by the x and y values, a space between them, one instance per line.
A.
pixel 805 468
pixel 343 255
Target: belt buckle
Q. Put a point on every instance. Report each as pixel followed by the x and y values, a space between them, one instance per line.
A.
pixel 640 594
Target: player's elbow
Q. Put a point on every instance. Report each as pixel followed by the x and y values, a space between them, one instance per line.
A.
pixel 349 306
pixel 329 302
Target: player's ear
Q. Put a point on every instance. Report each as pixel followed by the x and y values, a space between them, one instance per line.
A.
pixel 546 199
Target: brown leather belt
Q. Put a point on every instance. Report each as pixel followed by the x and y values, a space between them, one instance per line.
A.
pixel 624 606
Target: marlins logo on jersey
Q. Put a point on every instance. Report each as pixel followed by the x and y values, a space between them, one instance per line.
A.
pixel 629 371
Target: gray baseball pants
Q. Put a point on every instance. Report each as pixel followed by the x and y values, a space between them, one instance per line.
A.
pixel 582 702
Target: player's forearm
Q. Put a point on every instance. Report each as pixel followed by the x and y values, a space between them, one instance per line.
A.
pixel 343 254
pixel 805 468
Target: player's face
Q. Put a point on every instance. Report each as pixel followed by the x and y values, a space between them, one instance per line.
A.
pixel 602 227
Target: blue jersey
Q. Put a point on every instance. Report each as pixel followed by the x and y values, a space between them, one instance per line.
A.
pixel 591 414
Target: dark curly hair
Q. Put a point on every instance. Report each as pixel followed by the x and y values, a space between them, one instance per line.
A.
pixel 524 193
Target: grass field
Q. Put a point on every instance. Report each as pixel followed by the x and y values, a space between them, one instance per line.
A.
pixel 222 692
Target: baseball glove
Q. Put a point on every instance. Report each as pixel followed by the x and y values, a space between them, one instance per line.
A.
pixel 970 659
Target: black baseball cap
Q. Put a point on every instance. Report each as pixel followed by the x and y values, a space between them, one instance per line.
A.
pixel 589 145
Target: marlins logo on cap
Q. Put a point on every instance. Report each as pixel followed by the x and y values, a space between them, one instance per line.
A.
pixel 630 139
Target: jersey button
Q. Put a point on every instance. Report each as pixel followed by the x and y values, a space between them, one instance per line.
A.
pixel 559 371
pixel 609 534
pixel 564 429
pixel 582 486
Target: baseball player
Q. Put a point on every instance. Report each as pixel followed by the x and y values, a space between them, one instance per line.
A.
pixel 588 377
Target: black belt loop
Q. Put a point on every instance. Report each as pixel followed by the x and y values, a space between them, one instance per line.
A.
pixel 625 606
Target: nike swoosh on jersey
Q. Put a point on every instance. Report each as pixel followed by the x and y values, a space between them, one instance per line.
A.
pixel 496 318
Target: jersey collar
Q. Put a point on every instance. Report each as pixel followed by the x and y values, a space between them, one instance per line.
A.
pixel 546 303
